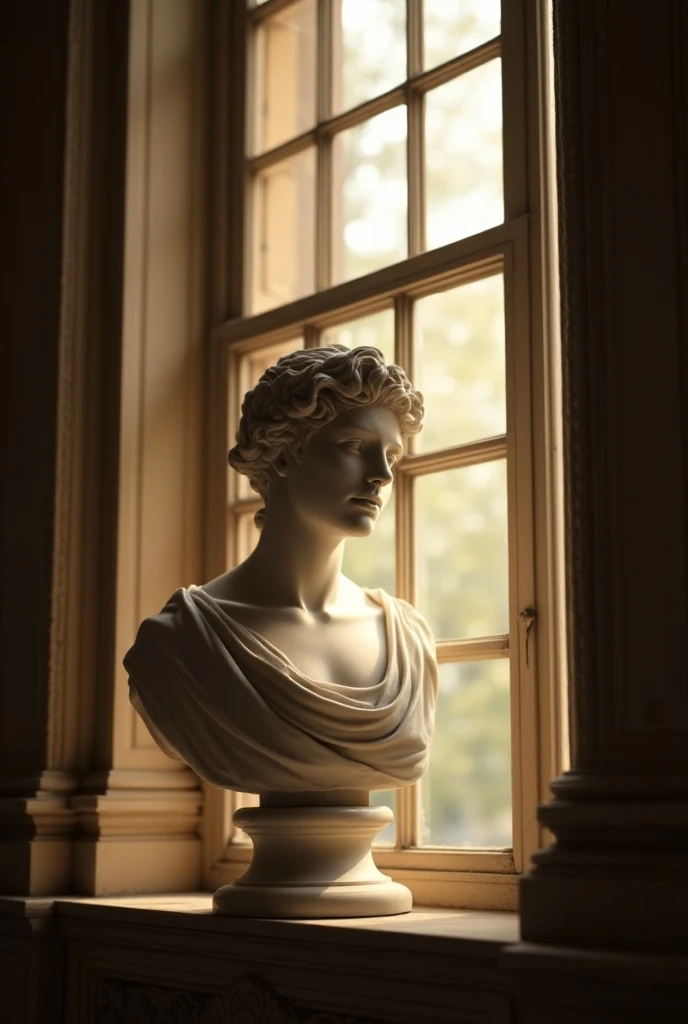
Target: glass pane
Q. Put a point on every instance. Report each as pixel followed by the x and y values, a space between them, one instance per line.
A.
pixel 463 155
pixel 251 368
pixel 370 195
pixel 285 75
pixel 461 551
pixel 284 232
pixel 451 27
pixel 385 798
pixel 460 364
pixel 369 50
pixel 466 791
pixel 376 330
pixel 369 561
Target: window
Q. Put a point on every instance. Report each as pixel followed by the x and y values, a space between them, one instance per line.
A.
pixel 383 195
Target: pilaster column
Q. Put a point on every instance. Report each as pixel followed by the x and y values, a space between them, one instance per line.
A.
pixel 617 873
pixel 138 812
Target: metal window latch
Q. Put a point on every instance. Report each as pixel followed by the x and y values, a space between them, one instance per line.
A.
pixel 528 615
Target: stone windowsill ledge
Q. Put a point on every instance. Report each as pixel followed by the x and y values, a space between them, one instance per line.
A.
pixel 474 933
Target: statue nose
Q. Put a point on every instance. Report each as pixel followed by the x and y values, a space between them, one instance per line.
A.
pixel 380 474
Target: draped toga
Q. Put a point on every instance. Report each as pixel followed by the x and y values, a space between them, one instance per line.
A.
pixel 222 698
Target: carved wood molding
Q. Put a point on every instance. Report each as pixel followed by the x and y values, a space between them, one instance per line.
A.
pixel 75 208
pixel 248 1000
pixel 613 876
pixel 575 398
pixel 618 720
pixel 120 1002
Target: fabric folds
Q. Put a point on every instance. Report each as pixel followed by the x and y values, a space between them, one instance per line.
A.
pixel 233 707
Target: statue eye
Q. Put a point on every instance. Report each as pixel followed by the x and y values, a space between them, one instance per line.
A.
pixel 354 444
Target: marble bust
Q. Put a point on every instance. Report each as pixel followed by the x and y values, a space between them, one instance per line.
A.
pixel 282 677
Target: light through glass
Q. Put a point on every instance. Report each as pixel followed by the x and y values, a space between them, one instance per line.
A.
pixel 370 195
pixel 376 330
pixel 285 48
pixel 283 266
pixel 461 551
pixel 460 363
pixel 452 27
pixel 466 791
pixel 463 155
pixel 369 50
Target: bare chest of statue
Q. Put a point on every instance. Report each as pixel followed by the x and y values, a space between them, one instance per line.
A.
pixel 348 647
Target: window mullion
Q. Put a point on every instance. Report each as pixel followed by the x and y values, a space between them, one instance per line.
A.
pixel 415 101
pixel 404 546
pixel 408 799
pixel 514 75
pixel 323 208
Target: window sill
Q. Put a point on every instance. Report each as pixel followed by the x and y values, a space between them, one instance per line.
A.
pixel 431 964
pixel 194 911
pixel 482 933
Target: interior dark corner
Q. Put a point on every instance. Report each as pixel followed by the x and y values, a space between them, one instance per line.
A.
pixel 494 195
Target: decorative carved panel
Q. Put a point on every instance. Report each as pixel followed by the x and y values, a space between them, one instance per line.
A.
pixel 121 1002
pixel 248 1000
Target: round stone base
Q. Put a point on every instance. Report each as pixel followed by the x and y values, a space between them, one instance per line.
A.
pixel 312 862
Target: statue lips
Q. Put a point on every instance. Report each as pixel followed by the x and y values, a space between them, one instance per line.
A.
pixel 370 502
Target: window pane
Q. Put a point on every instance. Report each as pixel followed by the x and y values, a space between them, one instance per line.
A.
pixel 460 366
pixel 461 550
pixel 285 96
pixel 369 561
pixel 376 330
pixel 466 791
pixel 463 155
pixel 385 798
pixel 451 27
pixel 251 368
pixel 370 195
pixel 369 50
pixel 284 232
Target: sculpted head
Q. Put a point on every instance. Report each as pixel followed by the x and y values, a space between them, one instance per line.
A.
pixel 308 390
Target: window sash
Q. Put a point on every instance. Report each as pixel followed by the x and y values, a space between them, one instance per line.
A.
pixel 306 319
pixel 411 92
pixel 508 247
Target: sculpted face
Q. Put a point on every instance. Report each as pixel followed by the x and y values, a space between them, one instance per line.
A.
pixel 344 475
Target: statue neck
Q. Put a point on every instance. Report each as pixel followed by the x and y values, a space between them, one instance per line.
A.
pixel 293 566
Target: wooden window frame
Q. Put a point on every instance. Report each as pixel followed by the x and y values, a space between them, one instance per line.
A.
pixel 516 248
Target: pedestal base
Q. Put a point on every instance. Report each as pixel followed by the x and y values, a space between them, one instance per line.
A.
pixel 312 862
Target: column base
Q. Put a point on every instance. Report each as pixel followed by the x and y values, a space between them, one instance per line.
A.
pixel 615 876
pixel 312 862
pixel 36 845
pixel 139 834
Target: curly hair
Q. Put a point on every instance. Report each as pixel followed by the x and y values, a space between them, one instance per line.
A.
pixel 303 392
